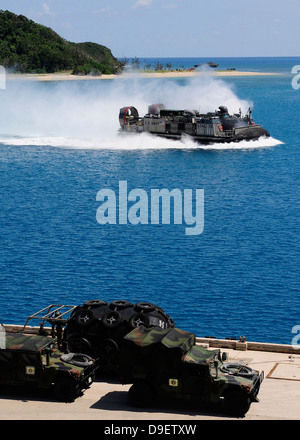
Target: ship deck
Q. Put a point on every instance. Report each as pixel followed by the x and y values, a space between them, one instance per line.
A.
pixel 106 399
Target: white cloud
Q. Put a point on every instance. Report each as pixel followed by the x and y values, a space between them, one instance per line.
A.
pixel 46 8
pixel 142 3
pixel 172 6
pixel 102 11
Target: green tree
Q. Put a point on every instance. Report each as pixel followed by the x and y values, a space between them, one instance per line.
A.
pixel 26 46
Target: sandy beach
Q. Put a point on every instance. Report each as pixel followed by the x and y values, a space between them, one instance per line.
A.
pixel 172 74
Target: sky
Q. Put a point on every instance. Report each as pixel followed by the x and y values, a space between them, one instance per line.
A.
pixel 172 28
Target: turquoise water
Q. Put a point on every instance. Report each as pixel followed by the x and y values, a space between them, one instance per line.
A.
pixel 253 64
pixel 59 146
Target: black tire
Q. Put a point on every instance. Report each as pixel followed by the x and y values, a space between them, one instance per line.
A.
pixel 111 319
pixel 139 319
pixel 66 389
pixel 120 304
pixel 94 303
pixel 236 403
pixel 78 344
pixel 77 359
pixel 170 321
pixel 109 348
pixel 85 318
pixel 73 313
pixel 145 307
pixel 237 369
pixel 141 395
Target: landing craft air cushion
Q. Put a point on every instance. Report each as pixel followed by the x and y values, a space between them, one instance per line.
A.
pixel 219 126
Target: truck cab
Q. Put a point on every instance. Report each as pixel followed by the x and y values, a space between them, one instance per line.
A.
pixel 166 364
pixel 35 361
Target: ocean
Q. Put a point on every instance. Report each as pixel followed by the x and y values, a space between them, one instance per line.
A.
pixel 252 64
pixel 59 146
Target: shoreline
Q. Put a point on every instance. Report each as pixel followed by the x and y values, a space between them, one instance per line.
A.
pixel 184 74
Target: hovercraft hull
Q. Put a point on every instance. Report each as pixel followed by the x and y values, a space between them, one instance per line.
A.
pixel 218 127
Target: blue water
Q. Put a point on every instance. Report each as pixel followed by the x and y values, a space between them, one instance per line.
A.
pixel 240 277
pixel 253 64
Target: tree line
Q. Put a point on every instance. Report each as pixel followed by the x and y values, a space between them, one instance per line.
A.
pixel 28 47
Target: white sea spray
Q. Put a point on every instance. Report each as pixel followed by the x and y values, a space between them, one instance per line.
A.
pixel 84 114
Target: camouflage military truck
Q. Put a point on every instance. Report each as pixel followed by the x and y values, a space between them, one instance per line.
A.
pixel 166 364
pixel 35 360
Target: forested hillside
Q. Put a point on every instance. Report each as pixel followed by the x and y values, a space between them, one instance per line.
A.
pixel 28 47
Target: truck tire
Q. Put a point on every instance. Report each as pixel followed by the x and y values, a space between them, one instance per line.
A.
pixel 236 403
pixel 145 307
pixel 111 319
pixel 139 319
pixel 94 303
pixel 120 304
pixel 85 318
pixel 78 344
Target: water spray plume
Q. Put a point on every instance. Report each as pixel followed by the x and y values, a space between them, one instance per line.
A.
pixel 84 114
